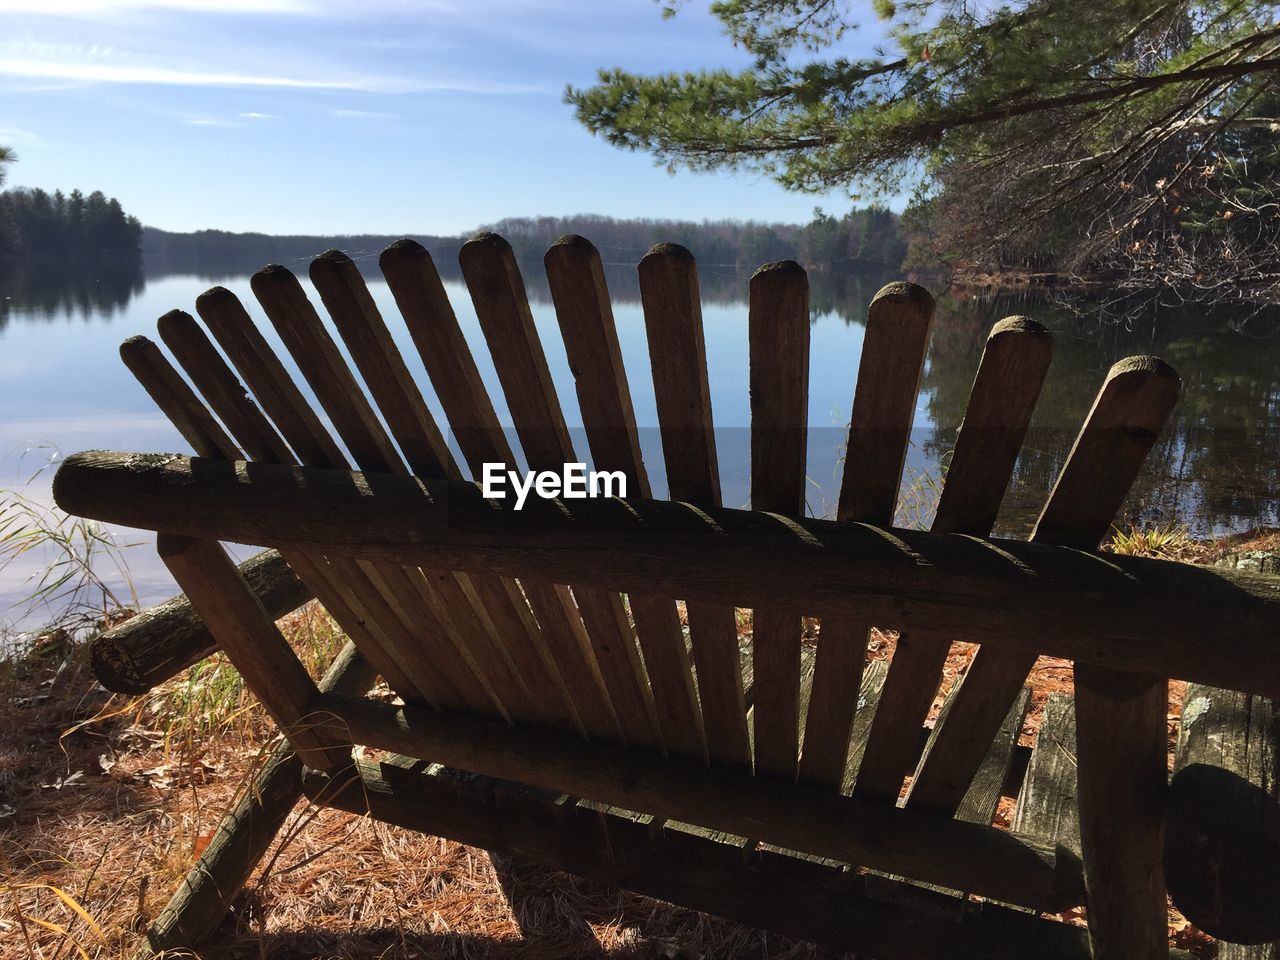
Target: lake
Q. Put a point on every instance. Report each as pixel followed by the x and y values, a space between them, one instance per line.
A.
pixel 1214 469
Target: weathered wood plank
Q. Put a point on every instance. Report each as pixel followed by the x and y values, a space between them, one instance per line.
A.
pixel 1141 615
pixel 473 659
pixel 161 641
pixel 808 665
pixel 251 641
pixel 497 292
pixel 581 298
pixel 884 402
pixel 983 796
pixel 193 420
pixel 985 860
pixel 770 890
pixel 869 691
pixel 1223 826
pixel 1047 801
pixel 1121 733
pixel 1010 374
pixel 955 749
pixel 678 355
pixel 1116 447
pixel 492 609
pixel 778 322
pixel 1122 777
pixel 433 325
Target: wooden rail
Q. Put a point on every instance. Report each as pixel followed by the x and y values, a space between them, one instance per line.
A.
pixel 796 897
pixel 1147 616
pixel 983 859
pixel 160 641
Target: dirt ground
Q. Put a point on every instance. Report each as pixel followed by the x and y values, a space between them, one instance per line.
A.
pixel 106 801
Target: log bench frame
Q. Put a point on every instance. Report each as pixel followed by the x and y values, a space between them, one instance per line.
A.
pixel 505 635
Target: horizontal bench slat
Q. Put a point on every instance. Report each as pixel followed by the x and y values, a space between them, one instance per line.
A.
pixel 1148 616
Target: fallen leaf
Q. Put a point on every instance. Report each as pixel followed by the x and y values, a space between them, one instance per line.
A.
pixel 71 780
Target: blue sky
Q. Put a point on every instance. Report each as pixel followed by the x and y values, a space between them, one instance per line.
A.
pixel 388 116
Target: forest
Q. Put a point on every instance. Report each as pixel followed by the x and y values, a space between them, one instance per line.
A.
pixel 36 225
pixel 866 238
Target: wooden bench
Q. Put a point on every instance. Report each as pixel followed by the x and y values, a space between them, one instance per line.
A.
pixel 543 652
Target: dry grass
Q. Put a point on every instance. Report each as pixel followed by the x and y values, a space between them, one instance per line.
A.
pixel 109 800
pixel 106 801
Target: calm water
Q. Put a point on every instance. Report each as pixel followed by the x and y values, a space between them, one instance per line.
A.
pixel 64 389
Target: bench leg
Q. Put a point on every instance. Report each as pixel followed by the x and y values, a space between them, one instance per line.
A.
pixel 1121 780
pixel 201 901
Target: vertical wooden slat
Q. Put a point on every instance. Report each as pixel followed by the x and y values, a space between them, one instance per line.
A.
pixel 678 355
pixel 1005 389
pixel 334 587
pixel 1010 376
pixel 778 320
pixel 581 298
pixel 884 404
pixel 434 326
pixel 983 796
pixel 1120 718
pixel 176 401
pixel 955 749
pixel 995 677
pixel 221 389
pixel 1047 801
pixel 1121 733
pixel 497 292
pixel 246 633
pixel 491 681
pixel 506 612
pixel 420 646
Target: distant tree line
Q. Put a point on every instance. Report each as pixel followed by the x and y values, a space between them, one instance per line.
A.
pixel 35 224
pixel 862 238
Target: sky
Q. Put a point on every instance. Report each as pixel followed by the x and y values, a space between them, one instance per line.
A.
pixel 378 116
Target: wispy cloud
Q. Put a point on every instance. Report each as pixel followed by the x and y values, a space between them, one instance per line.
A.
pixel 100 66
pixel 11 135
pixel 206 122
pixel 365 115
pixel 98 8
pixel 254 115
pixel 91 72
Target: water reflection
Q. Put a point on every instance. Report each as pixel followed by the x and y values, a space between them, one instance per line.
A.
pixel 1215 468
pixel 54 290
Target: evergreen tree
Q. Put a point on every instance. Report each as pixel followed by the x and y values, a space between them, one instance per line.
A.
pixel 38 224
pixel 1050 133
